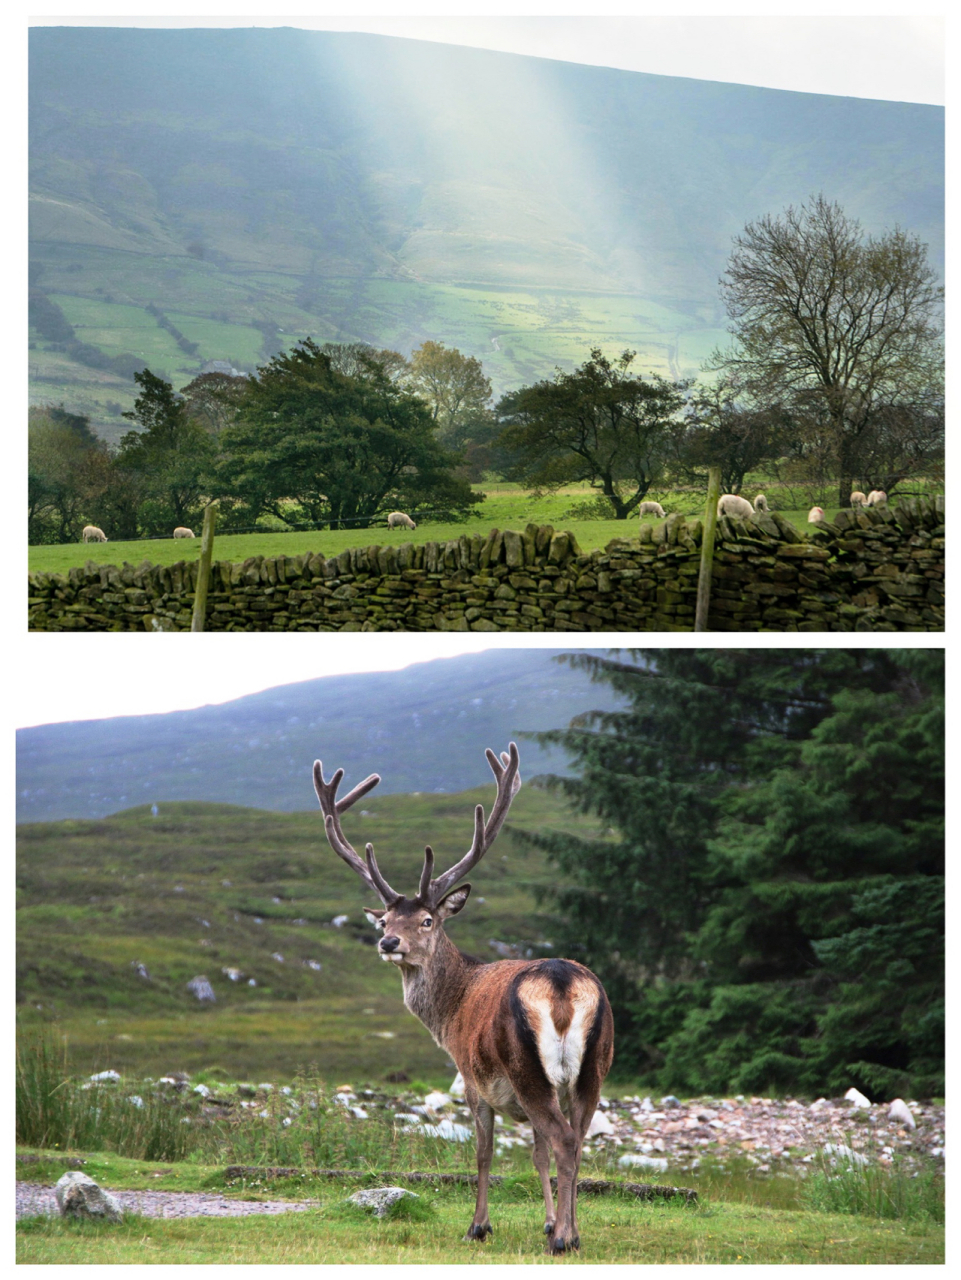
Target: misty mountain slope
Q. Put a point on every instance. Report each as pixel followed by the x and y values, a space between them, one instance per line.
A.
pixel 424 728
pixel 263 184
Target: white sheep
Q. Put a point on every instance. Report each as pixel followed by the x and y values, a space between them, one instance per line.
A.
pixel 760 503
pixel 651 509
pixel 400 520
pixel 92 534
pixel 858 499
pixel 729 504
pixel 181 532
pixel 876 497
pixel 815 514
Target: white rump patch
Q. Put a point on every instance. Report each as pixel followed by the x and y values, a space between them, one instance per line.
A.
pixel 561 1054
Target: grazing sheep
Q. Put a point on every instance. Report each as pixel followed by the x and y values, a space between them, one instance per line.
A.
pixel 858 499
pixel 651 509
pixel 92 534
pixel 876 497
pixel 181 532
pixel 729 504
pixel 400 520
pixel 815 514
pixel 760 503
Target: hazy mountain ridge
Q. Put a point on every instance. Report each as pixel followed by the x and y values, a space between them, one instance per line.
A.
pixel 359 186
pixel 424 728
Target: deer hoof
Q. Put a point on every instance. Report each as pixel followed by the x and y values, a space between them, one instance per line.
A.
pixel 479 1231
pixel 563 1244
pixel 548 1227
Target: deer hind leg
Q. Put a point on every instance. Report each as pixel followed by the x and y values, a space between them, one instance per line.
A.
pixel 481 1227
pixel 583 1106
pixel 542 1163
pixel 548 1121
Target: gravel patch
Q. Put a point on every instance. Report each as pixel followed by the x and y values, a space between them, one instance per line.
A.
pixel 34 1198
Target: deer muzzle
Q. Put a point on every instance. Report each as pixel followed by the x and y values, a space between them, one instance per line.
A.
pixel 390 948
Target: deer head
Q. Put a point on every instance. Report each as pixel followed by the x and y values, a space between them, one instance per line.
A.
pixel 411 925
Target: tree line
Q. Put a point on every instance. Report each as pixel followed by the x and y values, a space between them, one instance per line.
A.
pixel 834 376
pixel 765 898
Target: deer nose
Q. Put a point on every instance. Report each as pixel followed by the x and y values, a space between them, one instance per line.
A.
pixel 390 943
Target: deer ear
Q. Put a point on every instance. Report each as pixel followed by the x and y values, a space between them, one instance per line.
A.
pixel 453 903
pixel 374 915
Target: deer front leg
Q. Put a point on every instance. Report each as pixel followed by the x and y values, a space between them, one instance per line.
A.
pixel 542 1163
pixel 480 1228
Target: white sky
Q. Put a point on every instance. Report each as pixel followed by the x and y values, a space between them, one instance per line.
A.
pixel 868 50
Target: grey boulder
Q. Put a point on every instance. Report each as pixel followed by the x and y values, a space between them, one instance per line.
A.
pixel 78 1196
pixel 380 1199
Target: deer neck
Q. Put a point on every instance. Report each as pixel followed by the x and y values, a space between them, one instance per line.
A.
pixel 433 991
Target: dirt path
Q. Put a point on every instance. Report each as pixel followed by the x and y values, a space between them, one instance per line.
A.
pixel 33 1198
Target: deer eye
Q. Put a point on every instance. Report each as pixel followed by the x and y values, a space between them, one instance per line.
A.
pixel 426 922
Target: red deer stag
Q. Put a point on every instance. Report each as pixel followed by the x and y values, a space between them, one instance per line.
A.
pixel 532 1038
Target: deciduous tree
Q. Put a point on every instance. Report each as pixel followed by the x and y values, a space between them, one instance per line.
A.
pixel 821 311
pixel 345 448
pixel 602 423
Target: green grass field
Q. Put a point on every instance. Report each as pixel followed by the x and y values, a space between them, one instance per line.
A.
pixel 97 897
pixel 724 1226
pixel 505 507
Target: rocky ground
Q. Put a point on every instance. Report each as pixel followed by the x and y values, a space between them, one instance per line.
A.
pixel 642 1137
pixel 772 1135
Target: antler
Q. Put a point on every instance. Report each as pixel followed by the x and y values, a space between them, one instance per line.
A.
pixel 332 809
pixel 505 771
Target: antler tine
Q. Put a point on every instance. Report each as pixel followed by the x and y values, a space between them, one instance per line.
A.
pixel 332 808
pixel 506 771
pixel 423 891
pixel 388 896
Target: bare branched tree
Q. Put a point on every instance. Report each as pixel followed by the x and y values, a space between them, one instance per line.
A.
pixel 821 311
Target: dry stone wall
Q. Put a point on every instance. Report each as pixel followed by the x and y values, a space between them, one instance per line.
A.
pixel 874 570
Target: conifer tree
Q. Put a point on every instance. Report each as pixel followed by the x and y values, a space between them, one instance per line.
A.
pixel 762 898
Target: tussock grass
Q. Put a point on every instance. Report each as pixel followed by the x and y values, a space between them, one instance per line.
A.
pixel 53 1110
pixel 869 1190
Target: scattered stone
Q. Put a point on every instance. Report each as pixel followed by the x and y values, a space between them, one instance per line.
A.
pixel 437 1101
pixel 78 1196
pixel 647 1162
pixel 106 1077
pixel 901 1112
pixel 339 921
pixel 380 1199
pixel 600 1124
pixel 858 1098
pixel 843 1152
pixel 201 988
pixel 447 1130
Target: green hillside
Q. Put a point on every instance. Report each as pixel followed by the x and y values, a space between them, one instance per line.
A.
pixel 257 186
pixel 203 887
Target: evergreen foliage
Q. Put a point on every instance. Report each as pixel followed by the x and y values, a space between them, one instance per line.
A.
pixel 766 904
pixel 346 447
pixel 168 460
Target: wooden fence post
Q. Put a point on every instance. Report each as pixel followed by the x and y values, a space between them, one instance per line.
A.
pixel 203 568
pixel 707 549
